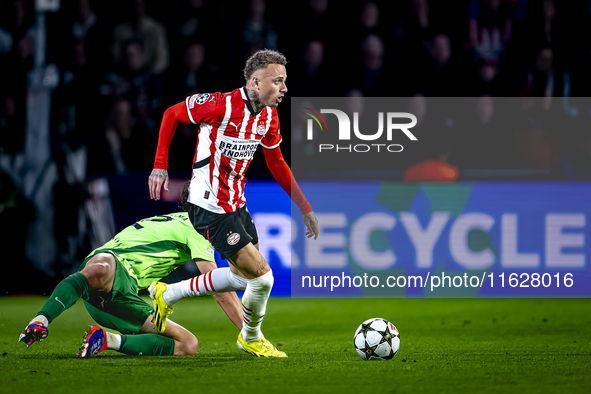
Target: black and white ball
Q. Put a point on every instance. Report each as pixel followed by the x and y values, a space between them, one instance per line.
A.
pixel 377 339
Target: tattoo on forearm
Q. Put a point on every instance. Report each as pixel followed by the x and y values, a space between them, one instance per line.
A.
pixel 159 173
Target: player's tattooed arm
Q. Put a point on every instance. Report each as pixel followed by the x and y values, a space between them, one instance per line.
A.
pixel 159 173
pixel 158 177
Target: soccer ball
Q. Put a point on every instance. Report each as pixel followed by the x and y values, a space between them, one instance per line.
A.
pixel 377 339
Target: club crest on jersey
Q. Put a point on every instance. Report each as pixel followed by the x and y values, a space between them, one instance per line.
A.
pixel 261 129
pixel 233 239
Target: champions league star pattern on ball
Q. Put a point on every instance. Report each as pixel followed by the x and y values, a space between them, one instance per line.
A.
pixel 377 339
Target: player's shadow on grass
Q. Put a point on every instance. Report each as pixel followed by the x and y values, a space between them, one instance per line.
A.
pixel 202 359
pixel 46 356
pixel 164 360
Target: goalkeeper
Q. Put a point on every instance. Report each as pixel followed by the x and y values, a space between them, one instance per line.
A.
pixel 110 277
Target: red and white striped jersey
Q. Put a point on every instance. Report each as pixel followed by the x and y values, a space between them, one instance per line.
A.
pixel 229 134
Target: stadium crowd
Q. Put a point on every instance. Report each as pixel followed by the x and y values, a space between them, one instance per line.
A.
pixel 120 64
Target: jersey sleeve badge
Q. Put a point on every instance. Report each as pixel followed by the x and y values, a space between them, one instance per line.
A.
pixel 198 99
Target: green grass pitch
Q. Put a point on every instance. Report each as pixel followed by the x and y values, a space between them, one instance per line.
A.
pixel 447 346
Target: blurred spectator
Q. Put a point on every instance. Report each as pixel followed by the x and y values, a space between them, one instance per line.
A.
pixel 538 25
pixel 547 22
pixel 355 102
pixel 367 22
pixel 314 21
pixel 542 79
pixel 418 105
pixel 192 24
pixel 412 33
pixel 84 19
pixel 370 17
pixel 490 29
pixel 257 32
pixel 416 25
pixel 490 33
pixel 15 20
pixel 12 127
pixel 542 26
pixel 372 69
pixel 193 61
pixel 90 37
pixel 82 54
pixel 5 42
pixel 16 59
pixel 250 29
pixel 310 75
pixel 194 76
pixel 150 33
pixel 486 79
pixel 414 28
pixel 440 76
pixel 440 49
pixel 74 119
pixel 138 84
pixel 195 20
pixel 190 78
pixel 123 145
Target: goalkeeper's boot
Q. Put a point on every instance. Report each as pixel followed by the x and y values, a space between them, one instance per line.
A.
pixel 260 348
pixel 95 341
pixel 35 331
pixel 161 308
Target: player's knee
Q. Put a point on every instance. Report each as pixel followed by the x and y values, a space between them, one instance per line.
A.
pixel 188 347
pixel 96 272
pixel 99 270
pixel 264 282
pixel 192 346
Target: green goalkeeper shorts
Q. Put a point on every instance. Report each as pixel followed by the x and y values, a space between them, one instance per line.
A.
pixel 122 309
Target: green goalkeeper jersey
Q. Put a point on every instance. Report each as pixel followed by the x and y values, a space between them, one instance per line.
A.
pixel 151 248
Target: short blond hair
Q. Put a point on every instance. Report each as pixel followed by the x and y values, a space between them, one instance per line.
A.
pixel 261 59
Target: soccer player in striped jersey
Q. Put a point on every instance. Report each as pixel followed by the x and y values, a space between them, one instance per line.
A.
pixel 231 127
pixel 110 277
